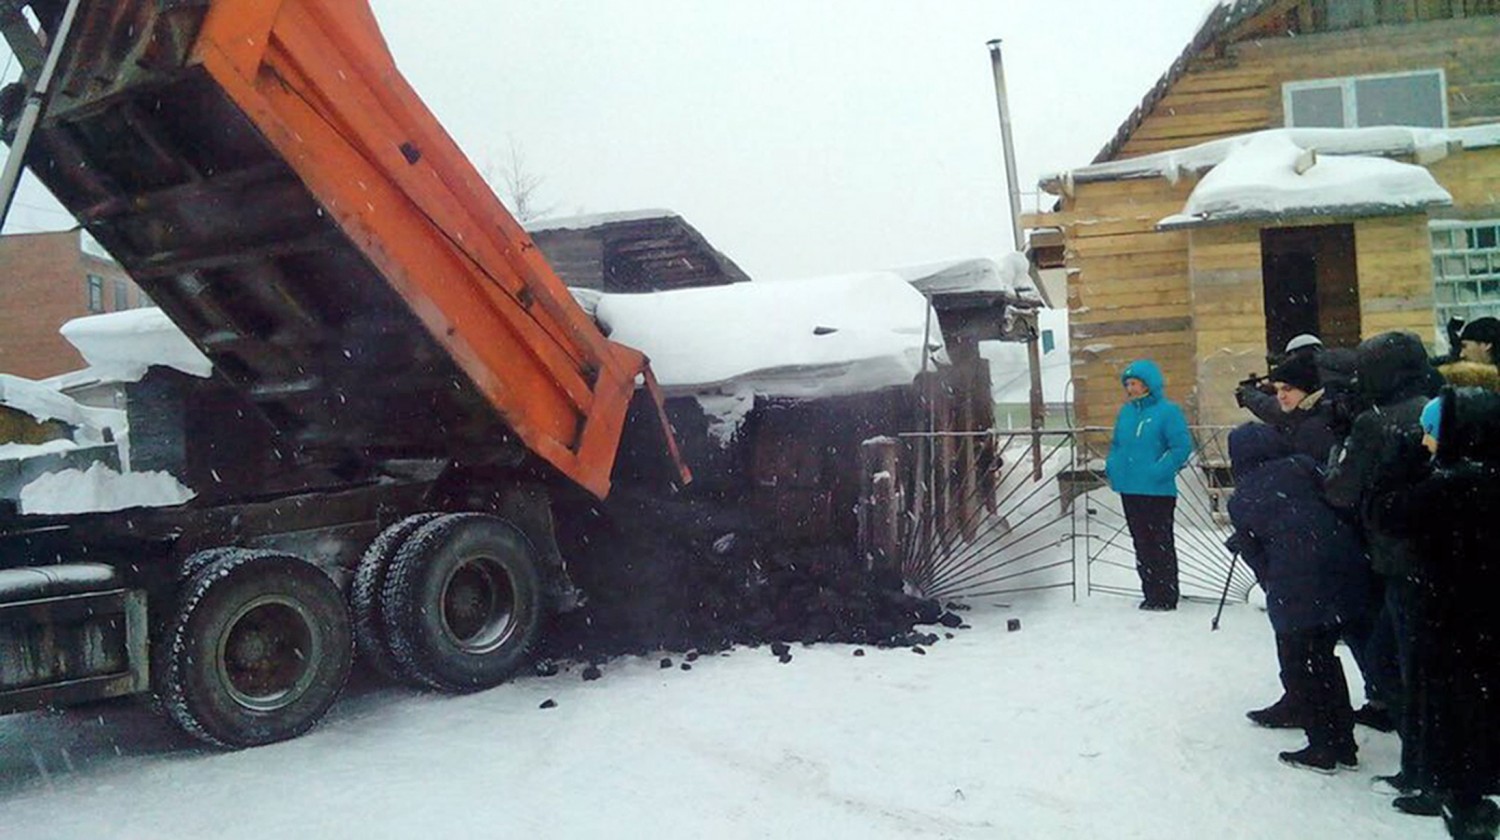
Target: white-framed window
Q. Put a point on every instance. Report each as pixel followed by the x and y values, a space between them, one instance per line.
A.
pixel 1465 270
pixel 1418 98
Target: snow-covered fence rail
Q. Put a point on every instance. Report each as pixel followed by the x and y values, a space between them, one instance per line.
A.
pixel 1041 516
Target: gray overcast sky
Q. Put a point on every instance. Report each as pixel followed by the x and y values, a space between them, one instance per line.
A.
pixel 800 137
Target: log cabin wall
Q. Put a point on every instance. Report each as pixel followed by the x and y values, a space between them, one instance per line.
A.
pixel 1129 293
pixel 1238 88
pixel 1193 301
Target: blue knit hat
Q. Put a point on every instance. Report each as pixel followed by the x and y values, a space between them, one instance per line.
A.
pixel 1432 416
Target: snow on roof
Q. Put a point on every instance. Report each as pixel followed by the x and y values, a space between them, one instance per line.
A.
pixel 100 488
pixel 970 275
pixel 1260 179
pixel 805 339
pixel 1385 141
pixel 121 346
pixel 45 403
pixel 597 219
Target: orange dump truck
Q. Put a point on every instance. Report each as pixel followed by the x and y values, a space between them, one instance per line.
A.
pixel 426 382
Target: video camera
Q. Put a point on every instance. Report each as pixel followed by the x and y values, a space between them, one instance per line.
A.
pixel 1254 382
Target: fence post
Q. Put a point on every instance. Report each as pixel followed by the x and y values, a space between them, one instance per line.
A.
pixel 880 504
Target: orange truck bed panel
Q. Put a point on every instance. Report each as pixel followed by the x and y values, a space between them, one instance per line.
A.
pixel 271 180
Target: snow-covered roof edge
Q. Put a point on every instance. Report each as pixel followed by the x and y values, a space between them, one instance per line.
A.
pixel 121 346
pixel 1271 177
pixel 1385 141
pixel 584 222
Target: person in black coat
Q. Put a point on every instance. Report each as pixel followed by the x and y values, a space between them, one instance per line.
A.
pixel 1334 374
pixel 1451 515
pixel 1394 376
pixel 1306 417
pixel 1307 558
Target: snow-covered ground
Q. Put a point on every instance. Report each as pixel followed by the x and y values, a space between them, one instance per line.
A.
pixel 1093 720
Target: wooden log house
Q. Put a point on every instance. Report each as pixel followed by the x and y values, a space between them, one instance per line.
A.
pixel 1209 296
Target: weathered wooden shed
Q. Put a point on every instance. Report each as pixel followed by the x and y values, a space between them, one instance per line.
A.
pixel 1175 253
pixel 633 251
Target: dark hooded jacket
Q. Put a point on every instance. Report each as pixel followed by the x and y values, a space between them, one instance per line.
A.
pixel 1305 555
pixel 1451 517
pixel 1395 378
pixel 1313 429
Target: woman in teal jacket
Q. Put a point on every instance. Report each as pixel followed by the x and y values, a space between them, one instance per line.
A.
pixel 1151 444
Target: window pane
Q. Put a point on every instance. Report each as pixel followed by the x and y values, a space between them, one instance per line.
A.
pixel 1317 107
pixel 95 293
pixel 1484 237
pixel 1400 100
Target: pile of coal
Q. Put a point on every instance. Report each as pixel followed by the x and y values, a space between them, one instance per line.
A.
pixel 685 574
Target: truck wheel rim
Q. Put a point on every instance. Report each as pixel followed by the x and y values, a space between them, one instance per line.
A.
pixel 267 654
pixel 478 605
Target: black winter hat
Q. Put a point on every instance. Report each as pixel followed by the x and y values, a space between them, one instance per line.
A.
pixel 1483 330
pixel 1300 371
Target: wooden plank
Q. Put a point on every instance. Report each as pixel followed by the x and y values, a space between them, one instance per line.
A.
pixel 1140 243
pixel 1178 125
pixel 1179 99
pixel 1097 314
pixel 1124 279
pixel 1126 297
pixel 1090 196
pixel 1241 305
pixel 1142 221
pixel 1253 76
pixel 1133 326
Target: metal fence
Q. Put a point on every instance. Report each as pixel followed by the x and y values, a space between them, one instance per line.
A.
pixel 1039 515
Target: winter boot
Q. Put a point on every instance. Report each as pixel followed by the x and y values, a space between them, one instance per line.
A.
pixel 1377 718
pixel 1419 804
pixel 1279 715
pixel 1480 819
pixel 1326 760
pixel 1392 785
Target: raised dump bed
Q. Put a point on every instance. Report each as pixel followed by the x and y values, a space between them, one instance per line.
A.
pixel 273 183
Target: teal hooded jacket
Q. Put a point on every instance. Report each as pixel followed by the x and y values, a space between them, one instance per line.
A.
pixel 1151 440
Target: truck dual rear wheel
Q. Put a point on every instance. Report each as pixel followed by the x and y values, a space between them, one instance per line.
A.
pixel 258 650
pixel 371 639
pixel 462 602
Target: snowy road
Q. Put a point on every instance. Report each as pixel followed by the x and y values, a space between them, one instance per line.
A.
pixel 1095 720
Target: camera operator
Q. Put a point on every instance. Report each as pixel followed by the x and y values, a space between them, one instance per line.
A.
pixel 1334 371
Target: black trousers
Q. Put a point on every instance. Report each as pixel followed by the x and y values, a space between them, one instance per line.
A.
pixel 1150 522
pixel 1314 680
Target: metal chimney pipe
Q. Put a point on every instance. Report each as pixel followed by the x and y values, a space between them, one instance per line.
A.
pixel 1033 351
pixel 1010 150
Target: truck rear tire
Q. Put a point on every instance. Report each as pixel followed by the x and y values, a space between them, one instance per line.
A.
pixel 463 602
pixel 371 639
pixel 258 650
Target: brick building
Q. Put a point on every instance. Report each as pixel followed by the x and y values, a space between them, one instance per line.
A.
pixel 46 280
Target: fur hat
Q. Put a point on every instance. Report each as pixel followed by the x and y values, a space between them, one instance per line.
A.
pixel 1483 330
pixel 1299 371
